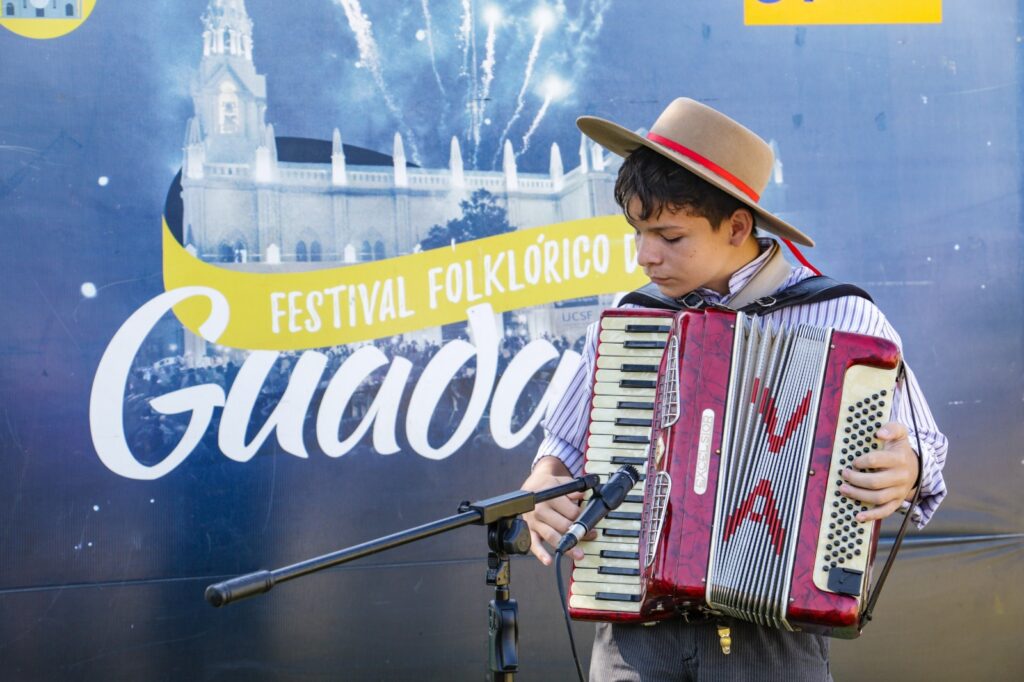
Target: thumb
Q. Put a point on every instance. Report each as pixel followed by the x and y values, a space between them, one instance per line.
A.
pixel 892 432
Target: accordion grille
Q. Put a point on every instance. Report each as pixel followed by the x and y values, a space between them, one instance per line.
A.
pixel 668 398
pixel 774 392
pixel 659 496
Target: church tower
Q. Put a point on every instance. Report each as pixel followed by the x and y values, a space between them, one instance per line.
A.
pixel 230 97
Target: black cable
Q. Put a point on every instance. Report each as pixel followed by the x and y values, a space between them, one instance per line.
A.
pixel 898 540
pixel 565 612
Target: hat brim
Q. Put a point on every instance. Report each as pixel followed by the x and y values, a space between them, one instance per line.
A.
pixel 623 142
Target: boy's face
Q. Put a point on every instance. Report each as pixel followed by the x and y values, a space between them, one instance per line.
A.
pixel 680 252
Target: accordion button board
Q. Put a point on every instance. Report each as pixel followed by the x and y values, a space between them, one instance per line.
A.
pixel 843 542
pixel 629 351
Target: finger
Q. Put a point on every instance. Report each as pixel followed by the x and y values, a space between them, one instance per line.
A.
pixel 554 538
pixel 877 459
pixel 892 431
pixel 880 512
pixel 537 549
pixel 875 497
pixel 566 507
pixel 553 518
pixel 873 480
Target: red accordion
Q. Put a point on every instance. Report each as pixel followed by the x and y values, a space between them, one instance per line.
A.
pixel 740 430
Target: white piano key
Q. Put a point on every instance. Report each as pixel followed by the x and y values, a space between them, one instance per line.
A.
pixel 621 322
pixel 608 428
pixel 606 469
pixel 590 575
pixel 592 603
pixel 618 349
pixel 598 561
pixel 617 361
pixel 616 523
pixel 612 388
pixel 597 546
pixel 609 415
pixel 590 589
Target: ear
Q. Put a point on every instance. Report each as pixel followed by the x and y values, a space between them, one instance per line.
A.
pixel 741 226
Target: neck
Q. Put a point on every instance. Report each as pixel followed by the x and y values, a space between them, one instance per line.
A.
pixel 745 252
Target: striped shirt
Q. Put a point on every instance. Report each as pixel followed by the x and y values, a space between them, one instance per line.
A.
pixel 565 428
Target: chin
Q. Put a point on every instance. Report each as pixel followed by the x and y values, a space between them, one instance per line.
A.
pixel 669 290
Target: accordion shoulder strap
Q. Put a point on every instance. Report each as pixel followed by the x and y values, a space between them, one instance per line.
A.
pixel 811 290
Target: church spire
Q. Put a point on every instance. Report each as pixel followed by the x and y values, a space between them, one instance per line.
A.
pixel 227 29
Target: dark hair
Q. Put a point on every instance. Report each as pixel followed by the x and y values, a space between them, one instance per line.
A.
pixel 659 182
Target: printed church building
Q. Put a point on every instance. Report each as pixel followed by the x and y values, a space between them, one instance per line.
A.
pixel 43 9
pixel 270 203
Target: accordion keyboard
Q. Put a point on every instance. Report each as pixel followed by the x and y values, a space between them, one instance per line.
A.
pixel 629 352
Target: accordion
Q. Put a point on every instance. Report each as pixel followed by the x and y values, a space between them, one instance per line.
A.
pixel 740 430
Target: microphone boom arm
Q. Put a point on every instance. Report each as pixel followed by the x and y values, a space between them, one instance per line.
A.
pixel 484 512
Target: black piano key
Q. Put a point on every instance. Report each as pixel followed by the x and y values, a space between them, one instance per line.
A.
pixel 638 383
pixel 643 344
pixel 648 328
pixel 615 596
pixel 620 459
pixel 618 570
pixel 632 421
pixel 636 499
pixel 634 405
pixel 624 516
pixel 617 554
pixel 638 368
pixel 639 440
pixel 620 533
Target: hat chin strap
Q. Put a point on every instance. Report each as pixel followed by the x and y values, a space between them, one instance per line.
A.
pixel 800 257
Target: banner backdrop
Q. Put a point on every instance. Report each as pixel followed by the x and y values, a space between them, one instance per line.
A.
pixel 281 278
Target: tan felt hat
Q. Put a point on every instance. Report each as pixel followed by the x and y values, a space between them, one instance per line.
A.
pixel 709 144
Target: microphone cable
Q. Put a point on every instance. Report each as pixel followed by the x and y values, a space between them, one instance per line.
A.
pixel 565 611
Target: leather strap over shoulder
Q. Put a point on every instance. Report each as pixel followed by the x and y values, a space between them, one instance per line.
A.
pixel 650 296
pixel 810 290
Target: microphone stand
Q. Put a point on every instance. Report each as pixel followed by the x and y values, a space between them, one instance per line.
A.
pixel 506 534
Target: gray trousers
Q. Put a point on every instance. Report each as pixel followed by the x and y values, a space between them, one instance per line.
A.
pixel 675 650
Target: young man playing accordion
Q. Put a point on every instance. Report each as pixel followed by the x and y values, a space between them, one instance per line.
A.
pixel 690 190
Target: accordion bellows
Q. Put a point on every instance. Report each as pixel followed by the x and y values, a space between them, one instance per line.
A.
pixel 741 431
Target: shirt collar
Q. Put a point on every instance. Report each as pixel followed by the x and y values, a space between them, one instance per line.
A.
pixel 739 279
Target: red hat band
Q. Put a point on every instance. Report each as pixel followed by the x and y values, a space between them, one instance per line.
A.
pixel 707 163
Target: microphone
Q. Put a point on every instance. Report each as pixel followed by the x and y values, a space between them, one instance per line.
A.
pixel 609 497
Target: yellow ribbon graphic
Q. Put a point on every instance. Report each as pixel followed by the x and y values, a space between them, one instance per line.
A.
pixel 276 310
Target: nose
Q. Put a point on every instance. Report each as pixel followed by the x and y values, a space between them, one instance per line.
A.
pixel 647 251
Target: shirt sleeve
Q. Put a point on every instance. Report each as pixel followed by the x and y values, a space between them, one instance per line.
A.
pixel 855 314
pixel 565 429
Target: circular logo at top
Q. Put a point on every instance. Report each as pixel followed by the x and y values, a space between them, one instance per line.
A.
pixel 43 19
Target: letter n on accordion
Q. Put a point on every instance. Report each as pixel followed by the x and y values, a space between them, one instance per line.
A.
pixel 741 430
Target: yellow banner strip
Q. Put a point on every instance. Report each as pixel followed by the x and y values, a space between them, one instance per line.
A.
pixel 276 310
pixel 806 12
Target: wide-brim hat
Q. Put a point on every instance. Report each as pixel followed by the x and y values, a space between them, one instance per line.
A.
pixel 710 145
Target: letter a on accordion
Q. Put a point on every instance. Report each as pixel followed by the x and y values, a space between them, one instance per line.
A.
pixel 740 430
